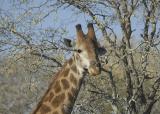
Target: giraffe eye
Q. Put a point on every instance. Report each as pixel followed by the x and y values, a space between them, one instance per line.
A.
pixel 79 50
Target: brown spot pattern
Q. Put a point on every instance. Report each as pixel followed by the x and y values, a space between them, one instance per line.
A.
pixel 44 109
pixel 65 84
pixel 57 87
pixel 55 112
pixel 73 79
pixel 49 97
pixel 58 100
pixel 74 68
pixel 65 72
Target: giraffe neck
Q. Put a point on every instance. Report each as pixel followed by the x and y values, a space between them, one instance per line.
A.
pixel 63 91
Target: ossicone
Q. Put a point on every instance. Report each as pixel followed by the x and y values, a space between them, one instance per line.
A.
pixel 91 32
pixel 79 31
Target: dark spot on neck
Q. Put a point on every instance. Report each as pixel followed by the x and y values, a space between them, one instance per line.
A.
pixel 74 68
pixel 65 84
pixel 73 79
pixel 49 97
pixel 55 112
pixel 57 87
pixel 44 109
pixel 58 100
pixel 65 72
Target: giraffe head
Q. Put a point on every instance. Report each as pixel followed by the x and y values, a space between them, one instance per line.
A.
pixel 88 50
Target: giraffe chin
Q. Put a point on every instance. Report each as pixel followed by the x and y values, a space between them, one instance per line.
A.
pixel 94 71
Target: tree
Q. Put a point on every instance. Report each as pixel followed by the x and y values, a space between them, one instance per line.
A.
pixel 138 62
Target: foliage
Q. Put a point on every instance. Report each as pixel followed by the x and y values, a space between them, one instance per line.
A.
pixel 31 49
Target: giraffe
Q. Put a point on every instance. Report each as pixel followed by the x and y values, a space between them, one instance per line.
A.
pixel 64 88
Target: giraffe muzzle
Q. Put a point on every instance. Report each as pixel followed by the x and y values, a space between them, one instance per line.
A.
pixel 94 69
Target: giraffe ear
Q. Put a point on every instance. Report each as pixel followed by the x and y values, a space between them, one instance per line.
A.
pixel 101 51
pixel 69 43
pixel 91 34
